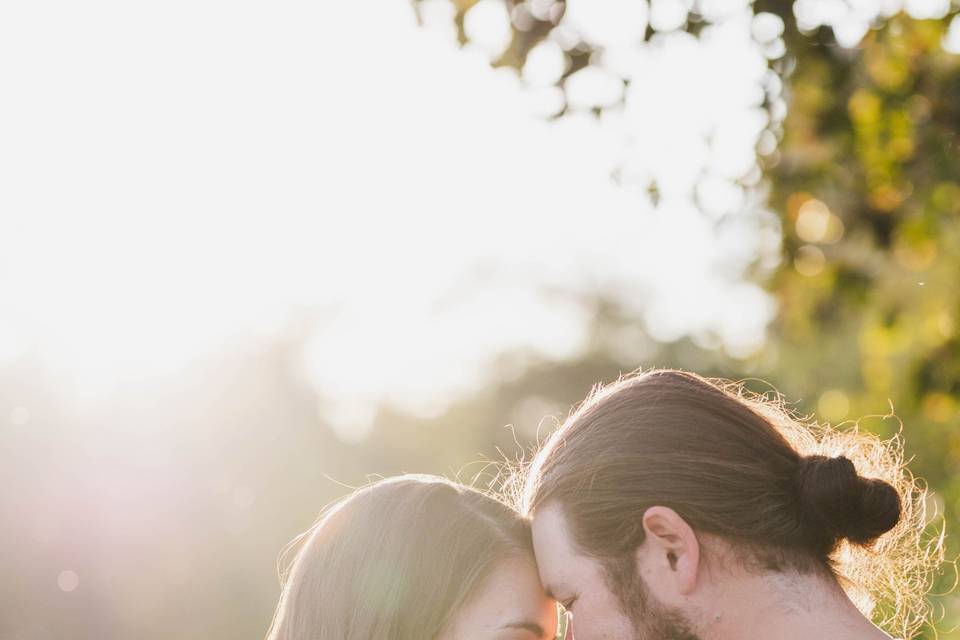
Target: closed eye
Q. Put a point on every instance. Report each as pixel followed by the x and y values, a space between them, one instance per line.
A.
pixel 531 627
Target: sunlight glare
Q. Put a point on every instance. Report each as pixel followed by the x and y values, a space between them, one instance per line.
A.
pixel 179 201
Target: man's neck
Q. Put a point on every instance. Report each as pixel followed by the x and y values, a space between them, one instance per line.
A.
pixel 785 606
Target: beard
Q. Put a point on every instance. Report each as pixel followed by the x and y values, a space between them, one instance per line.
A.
pixel 650 618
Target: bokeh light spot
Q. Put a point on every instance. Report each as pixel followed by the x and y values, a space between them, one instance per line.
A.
pixel 19 416
pixel 834 405
pixel 809 260
pixel 68 581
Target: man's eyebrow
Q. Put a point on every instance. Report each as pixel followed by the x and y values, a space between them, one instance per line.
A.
pixel 532 627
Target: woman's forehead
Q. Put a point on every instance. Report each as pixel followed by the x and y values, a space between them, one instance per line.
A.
pixel 511 598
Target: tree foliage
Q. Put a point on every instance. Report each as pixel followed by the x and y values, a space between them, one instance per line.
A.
pixel 865 180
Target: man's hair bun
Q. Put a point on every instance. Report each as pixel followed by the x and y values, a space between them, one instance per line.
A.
pixel 836 503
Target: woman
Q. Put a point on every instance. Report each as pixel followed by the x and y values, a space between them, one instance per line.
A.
pixel 415 558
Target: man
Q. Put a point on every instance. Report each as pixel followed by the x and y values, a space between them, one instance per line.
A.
pixel 669 507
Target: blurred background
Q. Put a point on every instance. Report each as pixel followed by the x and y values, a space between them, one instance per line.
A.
pixel 254 254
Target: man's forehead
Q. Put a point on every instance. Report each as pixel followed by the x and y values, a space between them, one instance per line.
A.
pixel 552 542
pixel 550 516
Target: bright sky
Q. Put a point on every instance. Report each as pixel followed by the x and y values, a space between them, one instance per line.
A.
pixel 184 177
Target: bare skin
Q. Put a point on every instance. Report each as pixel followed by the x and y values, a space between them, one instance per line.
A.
pixel 511 605
pixel 719 600
pixel 784 607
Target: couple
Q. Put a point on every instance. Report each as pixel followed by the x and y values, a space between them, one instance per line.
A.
pixel 667 507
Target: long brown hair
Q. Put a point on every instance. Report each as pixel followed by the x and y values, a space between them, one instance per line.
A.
pixel 789 494
pixel 394 560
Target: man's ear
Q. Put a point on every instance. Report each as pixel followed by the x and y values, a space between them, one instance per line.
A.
pixel 672 550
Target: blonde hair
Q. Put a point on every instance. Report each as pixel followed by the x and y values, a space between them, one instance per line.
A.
pixel 792 494
pixel 394 560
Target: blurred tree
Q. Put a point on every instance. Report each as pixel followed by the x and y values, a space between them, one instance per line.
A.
pixel 865 178
pixel 867 185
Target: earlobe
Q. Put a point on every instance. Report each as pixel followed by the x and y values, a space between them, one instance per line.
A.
pixel 669 534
